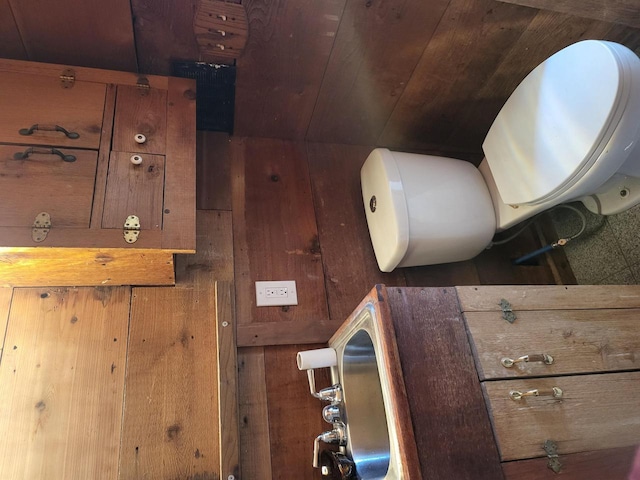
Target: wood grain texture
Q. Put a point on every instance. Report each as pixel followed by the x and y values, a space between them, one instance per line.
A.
pixel 163 32
pixel 179 222
pixel 134 190
pixel 229 433
pixel 43 182
pixel 213 171
pixel 448 399
pixel 368 70
pixel 294 415
pixel 213 260
pixel 19 239
pixel 5 304
pixel 39 99
pixel 78 34
pixel 594 413
pixel 522 55
pixel 85 266
pixel 63 376
pixel 255 442
pixel 170 423
pixel 580 341
pixel 614 11
pixel 450 71
pixel 275 233
pixel 612 464
pixel 286 332
pixel 10 41
pixel 102 168
pixel 280 72
pixel 549 297
pixel 140 112
pixel 350 266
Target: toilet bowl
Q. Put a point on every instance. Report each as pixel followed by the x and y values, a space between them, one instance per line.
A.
pixel 569 132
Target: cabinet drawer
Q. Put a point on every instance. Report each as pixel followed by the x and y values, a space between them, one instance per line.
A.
pixel 134 190
pixel 140 112
pixel 595 412
pixel 579 341
pixel 30 100
pixel 43 182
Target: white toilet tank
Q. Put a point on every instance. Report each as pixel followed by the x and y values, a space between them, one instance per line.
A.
pixel 418 214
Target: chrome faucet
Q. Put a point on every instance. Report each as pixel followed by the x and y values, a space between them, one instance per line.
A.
pixel 331 394
pixel 337 435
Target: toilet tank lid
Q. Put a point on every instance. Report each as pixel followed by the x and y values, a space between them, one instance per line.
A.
pixel 557 121
pixel 386 208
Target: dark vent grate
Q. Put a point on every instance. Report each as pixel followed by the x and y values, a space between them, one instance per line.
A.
pixel 216 85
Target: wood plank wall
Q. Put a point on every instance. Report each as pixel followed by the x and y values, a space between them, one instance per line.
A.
pixel 317 193
pixel 419 75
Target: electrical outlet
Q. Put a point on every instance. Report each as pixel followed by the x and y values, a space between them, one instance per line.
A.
pixel 276 294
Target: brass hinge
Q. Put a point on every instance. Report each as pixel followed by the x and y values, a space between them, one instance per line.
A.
pixel 68 78
pixel 41 227
pixel 551 449
pixel 131 229
pixel 143 86
pixel 507 311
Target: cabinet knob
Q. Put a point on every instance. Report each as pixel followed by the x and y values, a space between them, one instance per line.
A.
pixel 140 138
pixel 136 159
pixel 539 357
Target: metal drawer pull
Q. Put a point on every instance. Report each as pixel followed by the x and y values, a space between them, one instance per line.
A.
pixel 540 357
pixel 48 128
pixel 51 151
pixel 555 392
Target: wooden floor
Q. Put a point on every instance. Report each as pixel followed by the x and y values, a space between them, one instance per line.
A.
pixel 107 380
pixel 119 382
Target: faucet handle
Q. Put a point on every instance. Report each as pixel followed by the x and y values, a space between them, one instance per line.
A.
pixel 337 435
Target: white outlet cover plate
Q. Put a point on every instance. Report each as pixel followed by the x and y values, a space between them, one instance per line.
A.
pixel 285 293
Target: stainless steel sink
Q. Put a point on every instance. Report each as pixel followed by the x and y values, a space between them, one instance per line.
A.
pixel 368 403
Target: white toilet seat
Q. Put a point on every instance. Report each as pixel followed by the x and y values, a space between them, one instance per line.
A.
pixel 571 133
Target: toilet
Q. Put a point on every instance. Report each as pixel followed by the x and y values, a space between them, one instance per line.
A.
pixel 569 132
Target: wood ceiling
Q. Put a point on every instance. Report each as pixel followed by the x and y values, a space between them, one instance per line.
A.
pixel 423 75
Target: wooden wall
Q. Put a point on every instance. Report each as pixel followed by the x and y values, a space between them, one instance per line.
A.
pixel 423 75
pixel 297 214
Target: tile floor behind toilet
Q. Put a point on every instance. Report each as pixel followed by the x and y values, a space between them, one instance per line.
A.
pixel 608 252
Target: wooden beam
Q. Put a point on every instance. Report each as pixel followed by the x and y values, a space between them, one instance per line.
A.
pixel 213 171
pixel 228 433
pixel 613 11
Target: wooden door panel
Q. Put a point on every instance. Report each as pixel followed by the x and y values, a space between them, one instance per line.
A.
pixel 134 190
pixel 140 112
pixel 44 182
pixel 579 341
pixel 29 100
pixel 595 412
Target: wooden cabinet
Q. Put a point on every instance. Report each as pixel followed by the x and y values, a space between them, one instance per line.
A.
pixel 92 148
pixel 475 418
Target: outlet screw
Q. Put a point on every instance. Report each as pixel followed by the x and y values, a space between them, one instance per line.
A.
pixel 624 192
pixel 373 203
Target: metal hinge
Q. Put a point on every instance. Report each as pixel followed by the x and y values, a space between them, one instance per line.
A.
pixel 67 78
pixel 551 449
pixel 131 229
pixel 143 86
pixel 507 311
pixel 41 227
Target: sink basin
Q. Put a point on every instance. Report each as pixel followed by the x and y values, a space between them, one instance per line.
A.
pixel 375 408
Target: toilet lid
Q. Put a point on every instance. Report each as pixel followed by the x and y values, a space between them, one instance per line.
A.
pixel 556 123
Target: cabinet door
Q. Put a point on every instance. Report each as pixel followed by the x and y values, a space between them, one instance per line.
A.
pixel 36 104
pixel 594 412
pixel 44 182
pixel 577 341
pixel 140 112
pixel 134 190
